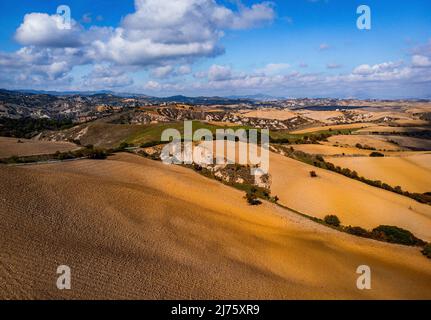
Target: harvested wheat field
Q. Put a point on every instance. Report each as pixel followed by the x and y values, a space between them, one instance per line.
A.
pixel 411 143
pixel 334 127
pixel 134 228
pixel 386 115
pixel 354 202
pixel 419 108
pixel 272 114
pixel 11 147
pixel 323 116
pixel 412 173
pixel 328 150
pixel 221 123
pixel 332 193
pixel 373 141
pixel 412 123
pixel 388 129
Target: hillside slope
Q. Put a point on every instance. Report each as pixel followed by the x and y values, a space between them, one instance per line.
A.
pixel 24 147
pixel 354 202
pixel 133 228
pixel 412 173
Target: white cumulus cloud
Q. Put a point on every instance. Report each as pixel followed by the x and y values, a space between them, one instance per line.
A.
pixel 44 30
pixel 420 61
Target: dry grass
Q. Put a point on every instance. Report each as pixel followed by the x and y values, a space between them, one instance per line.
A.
pixel 105 135
pixel 410 142
pixel 328 150
pixel 412 173
pixel 10 147
pixel 412 123
pixel 374 141
pixel 222 124
pixel 382 115
pixel 419 108
pixel 333 127
pixel 388 129
pixel 271 114
pixel 355 203
pixel 323 116
pixel 140 229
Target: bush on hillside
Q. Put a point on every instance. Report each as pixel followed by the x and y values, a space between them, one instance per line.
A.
pixel 332 220
pixel 396 235
pixel 358 231
pixel 427 251
pixel 376 154
pixel 29 127
pixel 252 198
pixel 124 146
pixel 313 174
pixel 97 154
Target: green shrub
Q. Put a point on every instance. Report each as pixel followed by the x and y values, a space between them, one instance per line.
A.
pixel 376 154
pixel 96 154
pixel 358 231
pixel 151 144
pixel 65 156
pixel 13 160
pixel 398 189
pixel 252 198
pixel 396 235
pixel 124 146
pixel 320 158
pixel 332 220
pixel 29 127
pixel 427 251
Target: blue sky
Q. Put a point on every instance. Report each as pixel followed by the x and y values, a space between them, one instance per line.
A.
pixel 291 48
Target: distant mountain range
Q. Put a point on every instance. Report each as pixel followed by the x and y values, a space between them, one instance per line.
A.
pixel 177 98
pixel 25 102
pixel 259 97
pixel 78 93
pixel 204 100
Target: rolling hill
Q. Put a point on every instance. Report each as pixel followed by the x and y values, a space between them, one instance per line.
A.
pixel 136 228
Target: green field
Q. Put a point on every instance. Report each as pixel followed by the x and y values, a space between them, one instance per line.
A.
pixel 284 136
pixel 108 135
pixel 152 133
